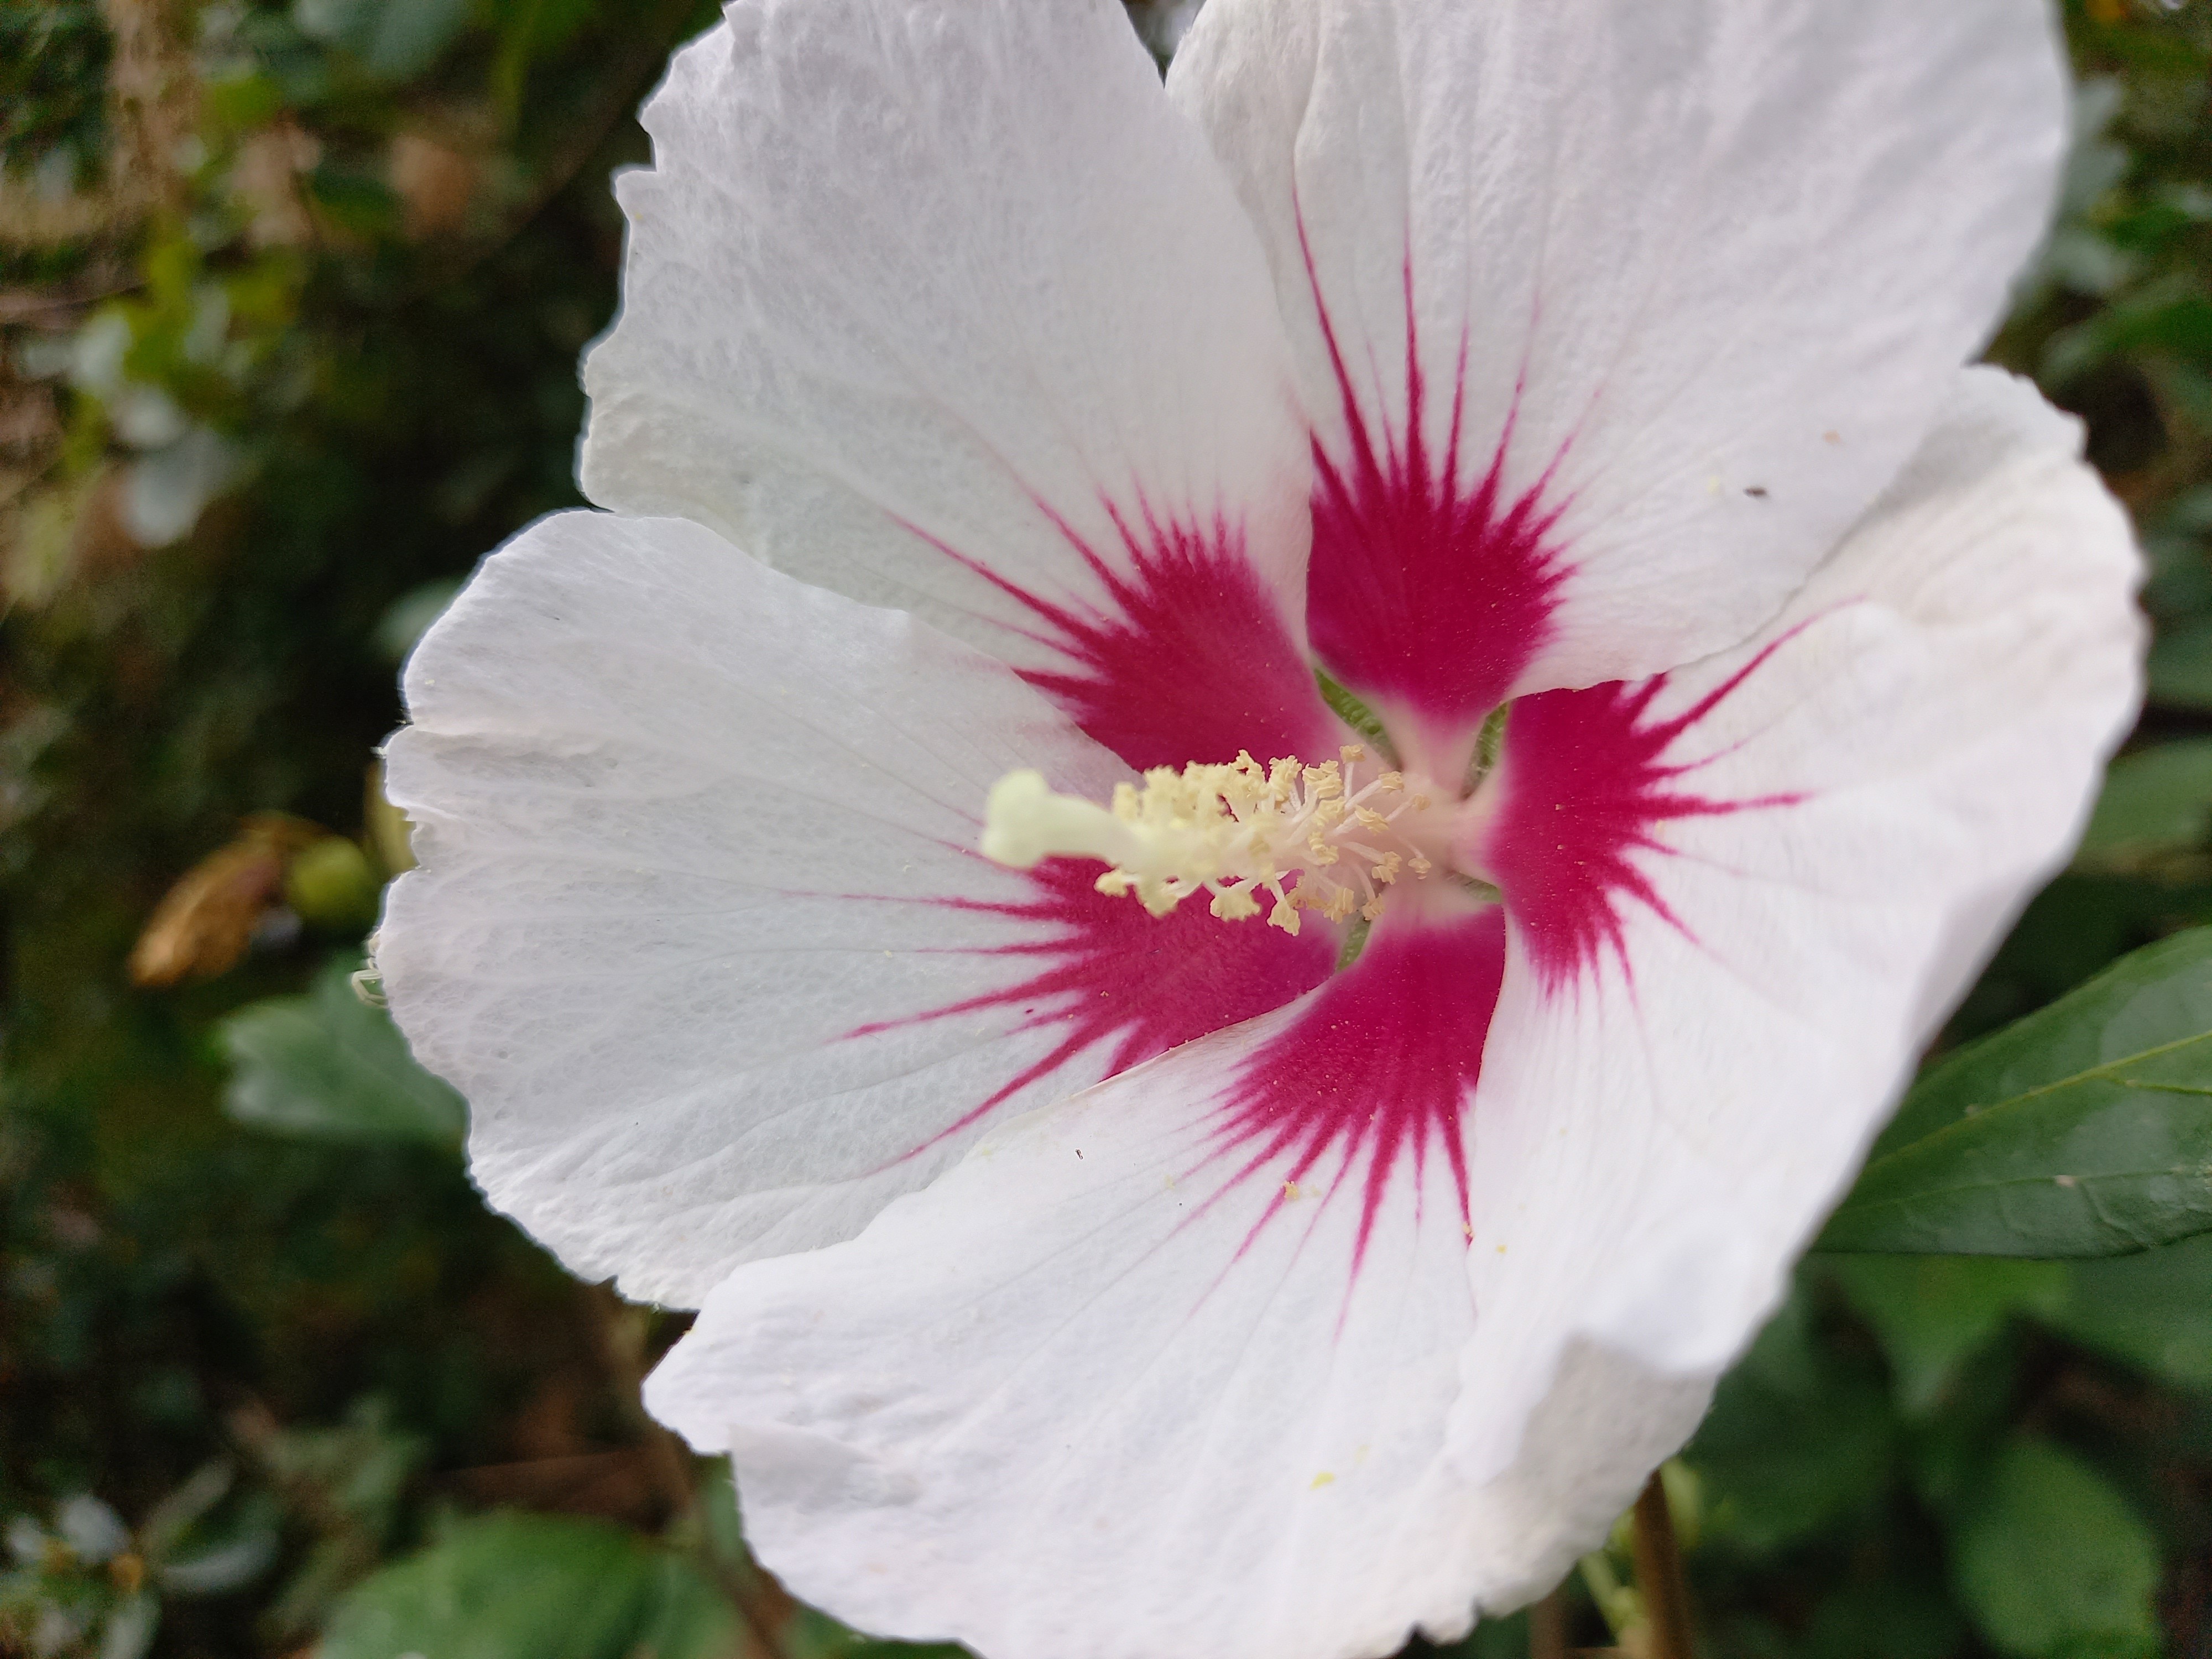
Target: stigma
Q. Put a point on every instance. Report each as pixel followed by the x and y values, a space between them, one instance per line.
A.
pixel 1329 838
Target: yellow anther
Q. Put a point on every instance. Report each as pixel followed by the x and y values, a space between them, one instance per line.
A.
pixel 1242 832
pixel 1325 779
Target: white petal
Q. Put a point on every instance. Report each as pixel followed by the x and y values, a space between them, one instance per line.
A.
pixel 1682 285
pixel 1148 1376
pixel 943 305
pixel 1744 896
pixel 698 928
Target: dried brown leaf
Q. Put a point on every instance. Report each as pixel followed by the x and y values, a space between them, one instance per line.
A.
pixel 202 926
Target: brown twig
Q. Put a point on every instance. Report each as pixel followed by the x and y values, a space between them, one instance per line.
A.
pixel 620 1331
pixel 1659 1580
pixel 1547 1628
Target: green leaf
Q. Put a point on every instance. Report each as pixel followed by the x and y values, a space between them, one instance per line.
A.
pixel 685 1618
pixel 2157 800
pixel 411 35
pixel 1933 1313
pixel 396 39
pixel 2180 667
pixel 2146 1310
pixel 1492 1637
pixel 2168 315
pixel 329 1065
pixel 1794 1440
pixel 1896 1618
pixel 2052 1563
pixel 2083 1130
pixel 534 1587
pixel 809 1634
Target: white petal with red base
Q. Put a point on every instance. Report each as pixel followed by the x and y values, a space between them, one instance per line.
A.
pixel 1614 316
pixel 1149 1375
pixel 1744 896
pixel 698 928
pixel 941 305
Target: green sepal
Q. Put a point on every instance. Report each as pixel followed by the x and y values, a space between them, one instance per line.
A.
pixel 1354 713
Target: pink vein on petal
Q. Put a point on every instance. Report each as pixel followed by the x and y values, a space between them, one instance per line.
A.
pixel 1108 973
pixel 1424 588
pixel 1585 783
pixel 1375 1070
pixel 1190 660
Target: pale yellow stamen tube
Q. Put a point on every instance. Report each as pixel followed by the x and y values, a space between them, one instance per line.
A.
pixel 1025 822
pixel 1235 831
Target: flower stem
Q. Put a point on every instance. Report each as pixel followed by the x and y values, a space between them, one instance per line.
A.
pixel 1666 1594
pixel 1547 1628
pixel 761 1607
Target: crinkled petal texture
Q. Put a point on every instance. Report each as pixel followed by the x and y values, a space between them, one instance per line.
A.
pixel 1613 317
pixel 1165 1370
pixel 1743 895
pixel 698 926
pixel 1193 1364
pixel 942 306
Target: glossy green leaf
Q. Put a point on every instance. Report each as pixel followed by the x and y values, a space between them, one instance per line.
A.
pixel 2052 1563
pixel 2083 1130
pixel 534 1587
pixel 2156 800
pixel 328 1063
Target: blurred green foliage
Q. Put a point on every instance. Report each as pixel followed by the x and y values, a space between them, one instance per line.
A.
pixel 290 300
pixel 53 74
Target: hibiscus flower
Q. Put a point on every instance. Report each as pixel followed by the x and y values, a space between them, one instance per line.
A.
pixel 1539 427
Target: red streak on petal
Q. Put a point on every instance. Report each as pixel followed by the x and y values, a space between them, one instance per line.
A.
pixel 1110 972
pixel 1189 661
pixel 1377 1069
pixel 1586 782
pixel 1426 587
